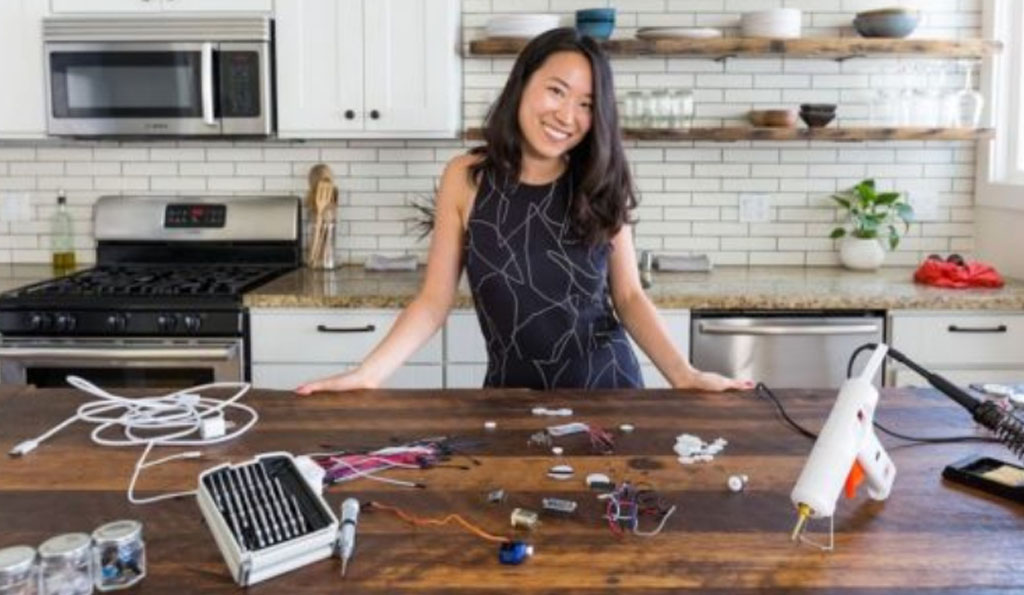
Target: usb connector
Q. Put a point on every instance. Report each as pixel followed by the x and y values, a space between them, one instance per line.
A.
pixel 23 448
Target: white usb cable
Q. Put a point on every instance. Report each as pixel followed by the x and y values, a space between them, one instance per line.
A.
pixel 180 418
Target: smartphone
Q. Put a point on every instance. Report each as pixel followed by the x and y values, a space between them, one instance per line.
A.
pixel 990 475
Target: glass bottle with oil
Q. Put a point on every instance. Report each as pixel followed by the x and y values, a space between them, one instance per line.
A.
pixel 62 234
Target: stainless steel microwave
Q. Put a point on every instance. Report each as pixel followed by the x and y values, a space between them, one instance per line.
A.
pixel 166 76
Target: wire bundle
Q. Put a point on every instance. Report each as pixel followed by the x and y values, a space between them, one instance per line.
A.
pixel 628 503
pixel 343 466
pixel 173 419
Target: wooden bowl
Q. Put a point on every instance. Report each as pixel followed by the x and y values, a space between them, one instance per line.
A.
pixel 773 118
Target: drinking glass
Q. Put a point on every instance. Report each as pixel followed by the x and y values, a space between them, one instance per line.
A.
pixel 659 108
pixel 682 108
pixel 967 102
pixel 634 110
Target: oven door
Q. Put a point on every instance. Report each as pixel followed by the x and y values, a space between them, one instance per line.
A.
pixel 121 363
pixel 158 88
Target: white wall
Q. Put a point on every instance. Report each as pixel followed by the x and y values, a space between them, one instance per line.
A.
pixel 689 190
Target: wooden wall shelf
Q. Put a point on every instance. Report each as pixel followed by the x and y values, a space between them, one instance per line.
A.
pixel 737 133
pixel 838 47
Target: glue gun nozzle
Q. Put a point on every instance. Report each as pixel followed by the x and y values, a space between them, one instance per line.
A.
pixel 804 511
pixel 344 566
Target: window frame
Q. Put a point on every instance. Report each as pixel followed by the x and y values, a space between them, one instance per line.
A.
pixel 1000 160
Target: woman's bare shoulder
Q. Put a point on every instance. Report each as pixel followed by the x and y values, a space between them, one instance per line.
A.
pixel 457 181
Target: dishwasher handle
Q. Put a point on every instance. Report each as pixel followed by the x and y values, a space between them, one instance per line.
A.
pixel 711 328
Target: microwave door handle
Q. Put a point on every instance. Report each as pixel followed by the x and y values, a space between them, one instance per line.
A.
pixel 206 84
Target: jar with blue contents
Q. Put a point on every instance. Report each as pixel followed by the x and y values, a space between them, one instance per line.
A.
pixel 119 555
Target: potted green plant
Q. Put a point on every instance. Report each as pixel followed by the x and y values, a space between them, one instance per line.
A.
pixel 870 216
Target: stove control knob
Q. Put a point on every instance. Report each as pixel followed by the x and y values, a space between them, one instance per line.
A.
pixel 193 322
pixel 117 322
pixel 66 322
pixel 166 322
pixel 40 322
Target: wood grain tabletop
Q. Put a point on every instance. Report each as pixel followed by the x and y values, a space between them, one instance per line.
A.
pixel 929 536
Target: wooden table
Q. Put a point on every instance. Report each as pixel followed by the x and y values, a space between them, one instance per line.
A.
pixel 929 535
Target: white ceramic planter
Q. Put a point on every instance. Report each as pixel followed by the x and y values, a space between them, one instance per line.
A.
pixel 861 255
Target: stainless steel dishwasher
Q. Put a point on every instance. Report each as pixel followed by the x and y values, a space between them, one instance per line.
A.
pixel 782 349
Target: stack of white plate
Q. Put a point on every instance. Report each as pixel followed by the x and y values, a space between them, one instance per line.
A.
pixel 677 33
pixel 782 23
pixel 521 26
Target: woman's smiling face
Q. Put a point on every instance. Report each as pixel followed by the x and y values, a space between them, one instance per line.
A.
pixel 555 111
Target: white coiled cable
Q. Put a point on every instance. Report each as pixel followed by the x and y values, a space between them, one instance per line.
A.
pixel 173 419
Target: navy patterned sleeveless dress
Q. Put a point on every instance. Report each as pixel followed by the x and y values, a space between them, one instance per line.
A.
pixel 541 292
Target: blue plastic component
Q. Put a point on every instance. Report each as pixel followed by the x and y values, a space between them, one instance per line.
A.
pixel 513 552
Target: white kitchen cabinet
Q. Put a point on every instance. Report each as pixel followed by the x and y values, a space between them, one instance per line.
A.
pixel 149 6
pixel 964 346
pixel 22 102
pixel 466 351
pixel 368 68
pixel 290 346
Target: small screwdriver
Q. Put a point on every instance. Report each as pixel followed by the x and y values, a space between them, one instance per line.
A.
pixel 347 541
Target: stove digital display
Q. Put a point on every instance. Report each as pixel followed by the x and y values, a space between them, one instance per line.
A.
pixel 195 215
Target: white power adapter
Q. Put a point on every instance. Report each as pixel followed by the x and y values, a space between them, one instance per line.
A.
pixel 213 426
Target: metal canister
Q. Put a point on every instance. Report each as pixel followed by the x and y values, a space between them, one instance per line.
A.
pixel 119 555
pixel 18 571
pixel 65 565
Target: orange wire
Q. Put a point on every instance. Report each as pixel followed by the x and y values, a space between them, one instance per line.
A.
pixel 419 522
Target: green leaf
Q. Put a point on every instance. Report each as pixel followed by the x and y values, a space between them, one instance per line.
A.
pixel 905 212
pixel 842 200
pixel 887 198
pixel 894 241
pixel 837 233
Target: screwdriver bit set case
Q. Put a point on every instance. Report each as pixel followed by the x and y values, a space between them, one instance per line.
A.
pixel 265 517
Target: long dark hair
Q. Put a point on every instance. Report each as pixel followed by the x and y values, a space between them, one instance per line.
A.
pixel 603 186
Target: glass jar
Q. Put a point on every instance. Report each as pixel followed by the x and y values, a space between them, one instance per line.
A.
pixel 118 555
pixel 660 108
pixel 65 565
pixel 323 240
pixel 18 571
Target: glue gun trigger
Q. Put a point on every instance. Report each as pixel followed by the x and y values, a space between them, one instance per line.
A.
pixel 853 480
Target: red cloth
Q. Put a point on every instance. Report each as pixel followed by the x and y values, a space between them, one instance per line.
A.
pixel 949 274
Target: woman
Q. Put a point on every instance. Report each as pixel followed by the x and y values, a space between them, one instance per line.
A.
pixel 539 217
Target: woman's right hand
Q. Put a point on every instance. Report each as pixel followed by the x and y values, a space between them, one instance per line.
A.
pixel 351 380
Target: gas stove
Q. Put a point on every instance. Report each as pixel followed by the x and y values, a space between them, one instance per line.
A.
pixel 170 276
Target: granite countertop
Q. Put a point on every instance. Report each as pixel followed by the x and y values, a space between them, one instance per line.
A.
pixel 726 287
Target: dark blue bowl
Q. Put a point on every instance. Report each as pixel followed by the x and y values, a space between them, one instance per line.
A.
pixel 596 29
pixel 595 14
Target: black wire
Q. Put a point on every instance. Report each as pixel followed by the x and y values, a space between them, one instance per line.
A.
pixel 895 434
pixel 762 390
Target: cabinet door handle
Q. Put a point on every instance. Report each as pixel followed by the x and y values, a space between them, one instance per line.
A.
pixel 349 114
pixel 374 114
pixel 977 329
pixel 323 328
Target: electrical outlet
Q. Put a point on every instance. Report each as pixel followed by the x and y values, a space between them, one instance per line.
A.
pixel 15 206
pixel 925 204
pixel 755 208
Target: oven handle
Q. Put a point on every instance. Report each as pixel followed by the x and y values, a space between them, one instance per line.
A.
pixel 206 89
pixel 824 329
pixel 215 353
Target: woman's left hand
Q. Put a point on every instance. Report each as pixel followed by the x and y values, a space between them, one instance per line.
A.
pixel 710 381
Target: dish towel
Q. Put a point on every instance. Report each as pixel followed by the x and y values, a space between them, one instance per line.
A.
pixel 949 274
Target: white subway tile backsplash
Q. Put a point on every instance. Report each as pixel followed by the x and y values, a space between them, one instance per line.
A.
pixel 688 191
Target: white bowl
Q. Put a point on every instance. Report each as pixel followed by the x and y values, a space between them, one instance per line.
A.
pixel 521 25
pixel 778 23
